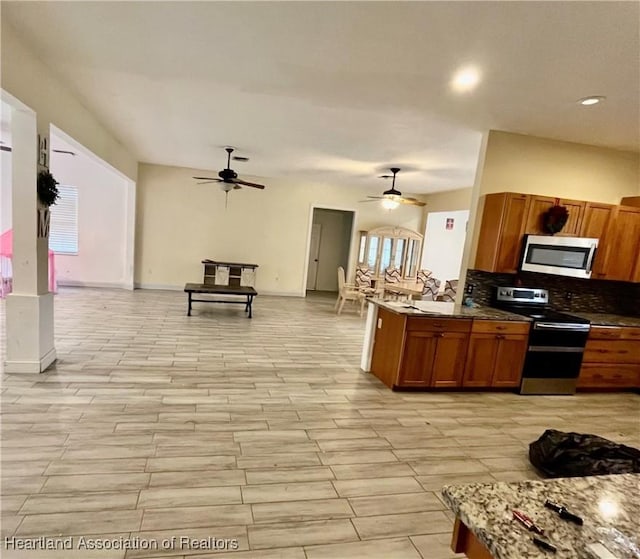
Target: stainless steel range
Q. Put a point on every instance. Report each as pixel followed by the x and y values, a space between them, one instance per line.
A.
pixel 556 341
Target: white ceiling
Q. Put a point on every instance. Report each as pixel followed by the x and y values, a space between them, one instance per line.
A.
pixel 337 91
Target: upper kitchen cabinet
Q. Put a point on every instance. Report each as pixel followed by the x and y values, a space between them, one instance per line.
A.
pixel 539 205
pixel 503 221
pixel 622 261
pixel 596 222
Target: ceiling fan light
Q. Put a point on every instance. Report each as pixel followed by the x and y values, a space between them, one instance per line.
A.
pixel 389 204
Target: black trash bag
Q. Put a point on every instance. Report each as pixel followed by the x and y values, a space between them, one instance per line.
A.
pixel 559 454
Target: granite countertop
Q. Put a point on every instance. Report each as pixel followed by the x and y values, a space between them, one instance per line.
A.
pixel 440 309
pixel 604 319
pixel 609 506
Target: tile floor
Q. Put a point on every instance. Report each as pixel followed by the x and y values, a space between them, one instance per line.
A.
pixel 264 432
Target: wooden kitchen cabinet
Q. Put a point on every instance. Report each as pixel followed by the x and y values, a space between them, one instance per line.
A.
pixel 418 359
pixel 508 216
pixel 419 352
pixel 449 358
pixel 611 358
pixel 541 204
pixel 503 222
pixel 622 261
pixel 433 358
pixel 595 224
pixel 495 358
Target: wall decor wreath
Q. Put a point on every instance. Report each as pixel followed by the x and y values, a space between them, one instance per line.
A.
pixel 47 188
pixel 555 219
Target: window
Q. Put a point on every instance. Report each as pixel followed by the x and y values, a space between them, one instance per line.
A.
pixel 63 232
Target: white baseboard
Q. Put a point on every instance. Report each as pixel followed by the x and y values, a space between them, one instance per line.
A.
pixel 31 367
pixel 158 286
pixel 280 293
pixel 104 285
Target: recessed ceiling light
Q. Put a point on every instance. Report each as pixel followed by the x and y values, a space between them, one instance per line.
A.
pixel 593 100
pixel 465 79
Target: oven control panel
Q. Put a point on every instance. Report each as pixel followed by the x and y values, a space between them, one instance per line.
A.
pixel 522 295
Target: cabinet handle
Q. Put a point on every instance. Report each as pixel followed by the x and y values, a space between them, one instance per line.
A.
pixel 501 327
pixel 499 336
pixel 439 335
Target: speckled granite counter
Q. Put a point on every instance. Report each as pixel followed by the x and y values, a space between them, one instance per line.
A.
pixel 609 505
pixel 602 319
pixel 439 309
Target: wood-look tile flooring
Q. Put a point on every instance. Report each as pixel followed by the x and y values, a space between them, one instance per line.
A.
pixel 263 431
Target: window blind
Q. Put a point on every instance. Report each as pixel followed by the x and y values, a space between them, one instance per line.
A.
pixel 63 233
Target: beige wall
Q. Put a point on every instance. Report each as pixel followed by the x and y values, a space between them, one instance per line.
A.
pixel 27 78
pixel 531 165
pixel 451 200
pixel 179 223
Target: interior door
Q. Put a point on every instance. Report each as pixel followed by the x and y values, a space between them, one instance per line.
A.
pixel 314 254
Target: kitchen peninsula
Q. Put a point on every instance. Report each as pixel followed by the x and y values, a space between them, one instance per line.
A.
pixel 425 344
pixel 608 505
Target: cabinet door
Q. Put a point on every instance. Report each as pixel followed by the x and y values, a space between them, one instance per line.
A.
pixel 510 237
pixel 538 206
pixel 509 360
pixel 596 221
pixel 541 204
pixel 623 242
pixel 481 358
pixel 576 209
pixel 418 359
pixel 450 355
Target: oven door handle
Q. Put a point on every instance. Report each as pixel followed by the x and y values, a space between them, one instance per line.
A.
pixel 554 349
pixel 567 327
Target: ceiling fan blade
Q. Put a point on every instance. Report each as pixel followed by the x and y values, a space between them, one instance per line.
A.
pixel 251 184
pixel 411 201
pixel 206 178
pixel 376 197
pixel 237 187
pixel 207 182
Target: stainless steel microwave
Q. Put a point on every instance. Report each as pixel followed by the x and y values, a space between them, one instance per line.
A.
pixel 562 256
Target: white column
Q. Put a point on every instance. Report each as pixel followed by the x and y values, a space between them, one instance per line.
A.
pixel 29 311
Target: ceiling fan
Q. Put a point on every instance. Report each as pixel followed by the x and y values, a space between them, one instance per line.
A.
pixel 392 198
pixel 229 178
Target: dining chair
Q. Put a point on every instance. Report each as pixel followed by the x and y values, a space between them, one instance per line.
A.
pixel 423 275
pixel 391 276
pixel 450 291
pixel 348 292
pixel 364 281
pixel 431 289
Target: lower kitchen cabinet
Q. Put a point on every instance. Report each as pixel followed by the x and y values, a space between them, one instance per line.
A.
pixel 611 358
pixel 433 359
pixel 495 360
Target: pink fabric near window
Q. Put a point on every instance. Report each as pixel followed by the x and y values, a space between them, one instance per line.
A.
pixel 6 273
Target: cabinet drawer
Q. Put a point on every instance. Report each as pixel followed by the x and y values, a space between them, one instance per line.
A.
pixel 608 351
pixel 596 375
pixel 438 324
pixel 500 327
pixel 614 333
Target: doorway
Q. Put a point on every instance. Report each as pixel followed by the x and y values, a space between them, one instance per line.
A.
pixel 329 248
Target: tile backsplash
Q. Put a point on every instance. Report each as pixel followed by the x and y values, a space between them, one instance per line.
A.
pixel 566 294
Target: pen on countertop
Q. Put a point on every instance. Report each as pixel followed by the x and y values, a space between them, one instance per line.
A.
pixel 544 545
pixel 527 522
pixel 563 512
